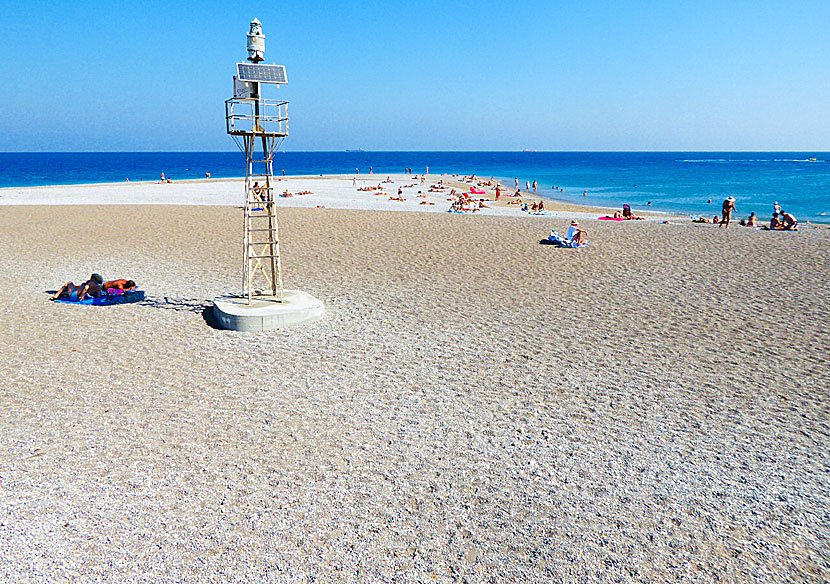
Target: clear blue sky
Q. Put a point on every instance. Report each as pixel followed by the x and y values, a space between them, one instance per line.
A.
pixel 395 75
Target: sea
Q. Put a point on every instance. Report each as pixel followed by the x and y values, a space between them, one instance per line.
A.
pixel 687 183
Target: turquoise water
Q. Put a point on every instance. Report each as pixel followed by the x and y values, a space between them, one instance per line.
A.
pixel 679 182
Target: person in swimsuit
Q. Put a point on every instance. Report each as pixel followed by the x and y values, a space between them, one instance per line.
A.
pixel 775 222
pixel 728 207
pixel 118 285
pixel 91 287
pixel 788 222
pixel 752 221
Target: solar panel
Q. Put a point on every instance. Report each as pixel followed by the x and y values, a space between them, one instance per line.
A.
pixel 261 73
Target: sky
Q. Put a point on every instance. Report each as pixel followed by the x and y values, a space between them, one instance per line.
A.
pixel 395 75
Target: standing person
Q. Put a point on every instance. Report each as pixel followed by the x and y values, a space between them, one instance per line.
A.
pixel 162 177
pixel 498 192
pixel 427 171
pixel 527 186
pixel 354 182
pixel 776 207
pixel 534 186
pixel 516 181
pixel 371 170
pixel 728 207
pixel 357 171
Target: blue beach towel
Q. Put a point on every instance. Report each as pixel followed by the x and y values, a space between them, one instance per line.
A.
pixel 110 297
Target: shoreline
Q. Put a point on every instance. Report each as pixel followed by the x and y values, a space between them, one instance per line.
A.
pixel 335 192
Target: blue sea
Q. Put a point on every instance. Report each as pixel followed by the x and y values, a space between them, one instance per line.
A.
pixel 678 182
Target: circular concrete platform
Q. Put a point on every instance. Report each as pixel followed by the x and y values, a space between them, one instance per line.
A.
pixel 264 312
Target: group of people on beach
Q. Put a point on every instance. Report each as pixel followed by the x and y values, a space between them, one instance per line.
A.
pixel 95 286
pixel 781 220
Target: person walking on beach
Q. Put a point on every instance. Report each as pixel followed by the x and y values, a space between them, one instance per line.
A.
pixel 527 186
pixel 516 180
pixel 354 182
pixel 534 186
pixel 728 207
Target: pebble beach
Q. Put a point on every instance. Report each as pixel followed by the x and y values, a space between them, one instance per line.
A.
pixel 473 407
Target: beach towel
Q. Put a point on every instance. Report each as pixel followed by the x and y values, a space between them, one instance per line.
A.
pixel 476 191
pixel 108 298
pixel 611 218
pixel 555 239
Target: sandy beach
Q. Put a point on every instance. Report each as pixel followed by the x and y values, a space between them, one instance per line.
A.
pixel 474 407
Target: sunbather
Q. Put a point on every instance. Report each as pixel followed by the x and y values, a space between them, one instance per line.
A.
pixel 788 221
pixel 575 234
pixel 118 285
pixel 91 287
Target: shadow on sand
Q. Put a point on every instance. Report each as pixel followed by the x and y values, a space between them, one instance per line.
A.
pixel 203 307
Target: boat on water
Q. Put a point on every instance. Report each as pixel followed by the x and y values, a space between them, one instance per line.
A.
pixel 358 150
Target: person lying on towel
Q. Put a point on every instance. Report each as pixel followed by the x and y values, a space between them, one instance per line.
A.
pixel 94 287
pixel 119 285
pixel 91 287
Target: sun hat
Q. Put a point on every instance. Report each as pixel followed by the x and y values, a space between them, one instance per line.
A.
pixel 574 222
pixel 730 198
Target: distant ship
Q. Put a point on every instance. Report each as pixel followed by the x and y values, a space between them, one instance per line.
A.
pixel 358 150
pixel 526 150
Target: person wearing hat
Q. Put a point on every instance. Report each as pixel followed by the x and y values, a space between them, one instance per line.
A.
pixel 575 234
pixel 91 287
pixel 728 207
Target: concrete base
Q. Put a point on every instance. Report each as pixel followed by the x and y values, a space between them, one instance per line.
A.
pixel 265 313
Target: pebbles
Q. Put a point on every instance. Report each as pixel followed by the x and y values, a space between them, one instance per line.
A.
pixel 474 407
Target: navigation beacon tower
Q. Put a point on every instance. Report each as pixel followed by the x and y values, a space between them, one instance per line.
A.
pixel 259 126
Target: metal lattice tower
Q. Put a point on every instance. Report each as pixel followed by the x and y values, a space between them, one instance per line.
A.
pixel 258 126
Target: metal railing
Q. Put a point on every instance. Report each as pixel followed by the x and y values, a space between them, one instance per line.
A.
pixel 247 116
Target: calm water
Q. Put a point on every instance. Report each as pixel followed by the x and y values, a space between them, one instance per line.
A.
pixel 672 181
